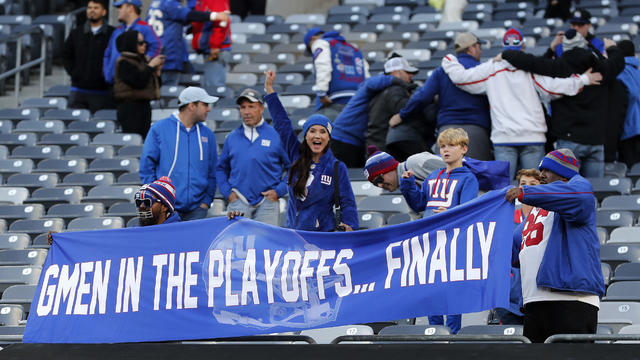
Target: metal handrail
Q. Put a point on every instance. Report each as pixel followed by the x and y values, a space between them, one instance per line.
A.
pixel 17 36
pixel 590 337
pixel 432 338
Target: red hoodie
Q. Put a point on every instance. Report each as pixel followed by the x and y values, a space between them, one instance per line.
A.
pixel 218 37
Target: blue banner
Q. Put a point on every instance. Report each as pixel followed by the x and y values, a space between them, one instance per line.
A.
pixel 217 277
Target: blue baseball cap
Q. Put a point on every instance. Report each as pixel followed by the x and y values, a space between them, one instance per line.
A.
pixel 137 3
pixel 311 33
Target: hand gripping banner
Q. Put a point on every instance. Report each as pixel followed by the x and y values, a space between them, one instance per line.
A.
pixel 217 277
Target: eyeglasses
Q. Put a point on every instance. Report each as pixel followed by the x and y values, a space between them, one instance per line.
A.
pixel 146 202
pixel 142 43
pixel 378 181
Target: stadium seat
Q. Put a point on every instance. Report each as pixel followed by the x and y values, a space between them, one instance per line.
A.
pixel 13 140
pixel 616 254
pixel 110 194
pixel 617 169
pixel 134 151
pixel 18 275
pixel 11 315
pixel 603 187
pixel 90 223
pixel 116 166
pixel 248 28
pixel 19 294
pixel 396 219
pixel 491 330
pixel 622 202
pixel 308 19
pixel 32 257
pixel 365 188
pixel 623 291
pixel 61 166
pixel 91 127
pixel 51 196
pixel 67 115
pixel 627 234
pixel 4 152
pixel 610 219
pixel 65 140
pixel 384 203
pixel 6 126
pixel 40 242
pixel 15 166
pixel 13 194
pixel 88 181
pixel 355 174
pixel 264 19
pixel 72 211
pixel 58 91
pixel 45 103
pixel 627 272
pixel 129 179
pixel 133 222
pixel 415 330
pixel 275 58
pixel 117 139
pixel 105 114
pixel 90 152
pixel 19 114
pixel 224 114
pixel 37 152
pixel 371 220
pixel 125 210
pixel 326 335
pixel 290 29
pixel 14 241
pixel 16 212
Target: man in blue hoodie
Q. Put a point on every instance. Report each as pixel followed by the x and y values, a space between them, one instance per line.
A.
pixel 252 164
pixel 629 149
pixel 183 148
pixel 560 253
pixel 458 109
pixel 339 69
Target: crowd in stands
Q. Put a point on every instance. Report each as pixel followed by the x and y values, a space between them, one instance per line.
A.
pixel 564 113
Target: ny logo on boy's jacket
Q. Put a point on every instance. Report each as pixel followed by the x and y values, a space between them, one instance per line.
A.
pixel 441 192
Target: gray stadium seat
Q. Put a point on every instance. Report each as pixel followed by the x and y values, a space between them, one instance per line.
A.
pixel 118 139
pixel 15 212
pixel 19 114
pixel 101 223
pixel 13 140
pixel 58 91
pixel 44 103
pixel 33 181
pixel 116 166
pixel 626 234
pixel 254 68
pixel 133 222
pixel 67 115
pixel 15 166
pixel 326 335
pixel 111 194
pixel 129 179
pixel 18 275
pixel 37 152
pixel 32 257
pixel 617 169
pixel 14 241
pixel 616 254
pixel 371 220
pixel 88 181
pixel 51 196
pixel 91 127
pixel 105 114
pixel 125 210
pixel 6 126
pixel 19 294
pixel 623 291
pixel 72 211
pixel 11 315
pixel 90 152
pixel 134 151
pixel 415 330
pixel 619 313
pixel 275 58
pixel 65 140
pixel 627 272
pixel 309 19
pixel 384 203
pixel 365 188
pixel 248 28
pixel 37 226
pixel 610 219
pixel 396 219
pixel 13 194
pixel 61 166
pixel 622 202
pixel 264 19
pixel 224 114
pixel 290 29
pixel 491 330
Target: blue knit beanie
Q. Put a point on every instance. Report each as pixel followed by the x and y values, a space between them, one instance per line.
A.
pixel 562 162
pixel 161 189
pixel 316 119
pixel 379 163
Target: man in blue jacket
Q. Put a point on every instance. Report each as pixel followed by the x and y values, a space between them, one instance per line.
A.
pixel 129 15
pixel 252 164
pixel 458 109
pixel 184 149
pixel 560 253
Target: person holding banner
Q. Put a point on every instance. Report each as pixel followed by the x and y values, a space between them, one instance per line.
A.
pixel 156 203
pixel 317 180
pixel 560 253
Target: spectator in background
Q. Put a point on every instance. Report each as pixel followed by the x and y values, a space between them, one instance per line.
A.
pixel 253 159
pixel 83 56
pixel 560 252
pixel 518 123
pixel 558 9
pixel 156 203
pixel 580 22
pixel 213 40
pixel 413 136
pixel 452 11
pixel 339 69
pixel 129 15
pixel 318 182
pixel 181 147
pixel 443 189
pixel 243 8
pixel 578 122
pixel 629 148
pixel 136 83
pixel 167 18
pixel 457 107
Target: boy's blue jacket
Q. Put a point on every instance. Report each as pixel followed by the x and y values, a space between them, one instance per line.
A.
pixel 456 106
pixel 168 18
pixel 630 76
pixel 315 213
pixel 351 125
pixel 111 53
pixel 440 188
pixel 252 168
pixel 191 163
pixel 571 261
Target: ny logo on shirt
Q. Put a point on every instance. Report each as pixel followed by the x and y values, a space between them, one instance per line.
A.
pixel 266 142
pixel 533 231
pixel 325 179
pixel 441 192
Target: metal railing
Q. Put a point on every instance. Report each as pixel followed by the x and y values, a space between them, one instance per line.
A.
pixel 17 36
pixel 432 338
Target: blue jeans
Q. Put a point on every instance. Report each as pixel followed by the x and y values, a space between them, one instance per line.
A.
pixel 215 72
pixel 267 212
pixel 197 213
pixel 591 157
pixel 454 322
pixel 519 157
pixel 171 77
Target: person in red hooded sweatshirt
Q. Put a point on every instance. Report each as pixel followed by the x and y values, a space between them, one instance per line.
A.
pixel 213 40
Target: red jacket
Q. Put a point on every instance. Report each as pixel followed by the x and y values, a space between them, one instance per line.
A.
pixel 210 35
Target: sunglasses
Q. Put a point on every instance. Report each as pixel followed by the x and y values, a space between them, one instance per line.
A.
pixel 142 43
pixel 146 202
pixel 378 181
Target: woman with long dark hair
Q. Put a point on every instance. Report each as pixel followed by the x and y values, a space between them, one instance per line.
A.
pixel 314 174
